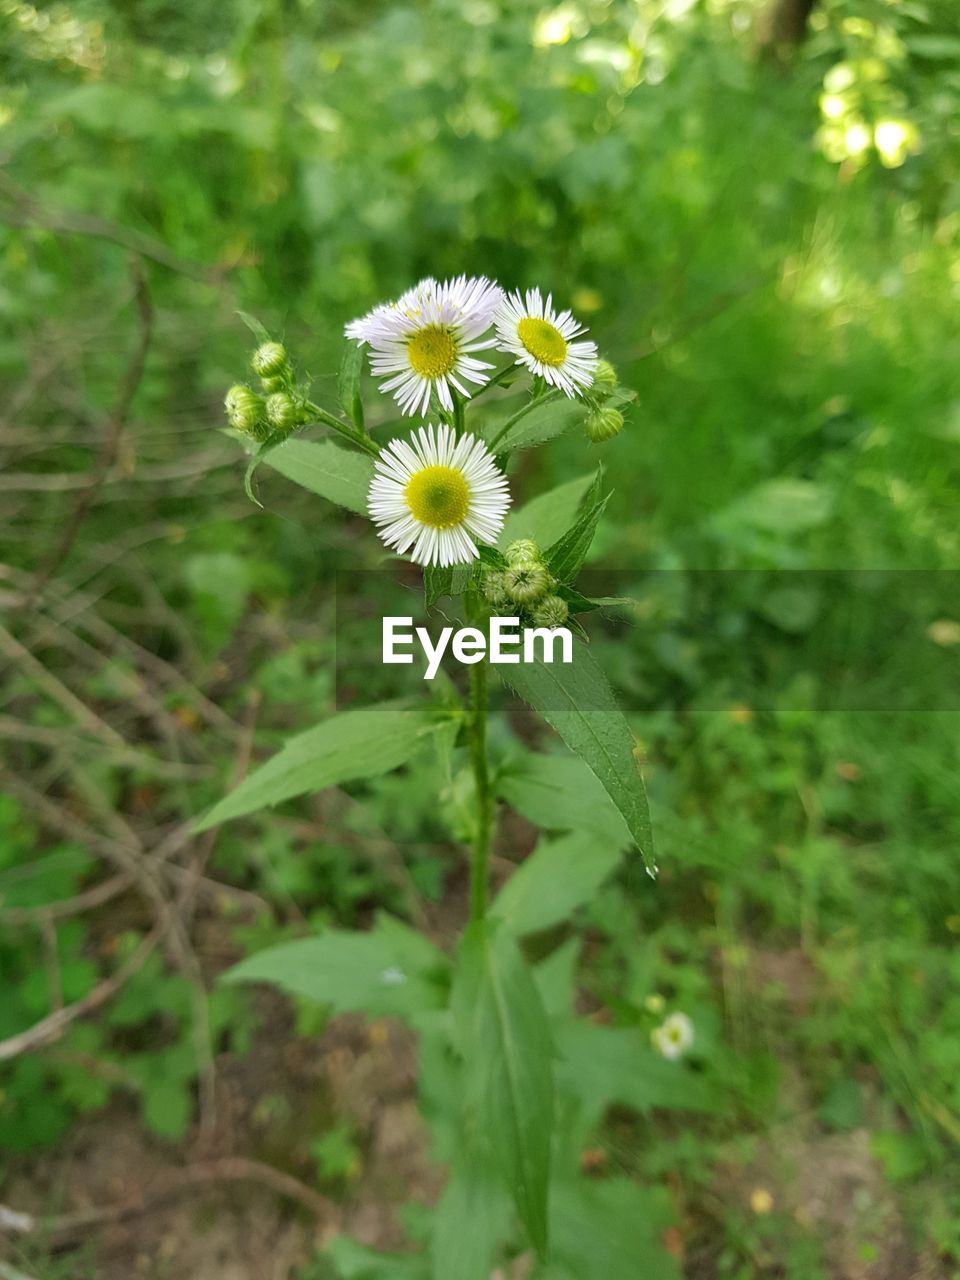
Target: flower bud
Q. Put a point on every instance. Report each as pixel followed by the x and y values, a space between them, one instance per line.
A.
pixel 245 411
pixel 270 360
pixel 272 385
pixel 603 424
pixel 282 412
pixel 604 375
pixel 523 552
pixel 494 589
pixel 526 583
pixel 551 612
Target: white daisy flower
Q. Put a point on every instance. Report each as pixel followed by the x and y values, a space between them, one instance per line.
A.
pixel 424 341
pixel 437 495
pixel 543 340
pixel 674 1036
pixel 360 330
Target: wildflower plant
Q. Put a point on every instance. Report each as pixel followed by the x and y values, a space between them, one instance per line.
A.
pixel 509 1077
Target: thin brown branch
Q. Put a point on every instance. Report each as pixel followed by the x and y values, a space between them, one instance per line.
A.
pixel 54 1024
pixel 90 898
pixel 168 1186
pixel 63 739
pixel 113 430
pixel 73 705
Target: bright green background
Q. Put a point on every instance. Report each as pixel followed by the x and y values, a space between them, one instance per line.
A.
pixel 783 297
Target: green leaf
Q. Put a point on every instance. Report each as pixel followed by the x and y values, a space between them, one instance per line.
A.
pixel 576 700
pixel 545 517
pixel 601 1066
pixel 354 1261
pixel 340 475
pixel 568 553
pixel 540 420
pixel 504 1039
pixel 271 442
pixel 439 581
pixel 348 384
pixel 255 327
pixel 904 1156
pixel 611 1228
pixel 559 876
pixel 560 793
pixel 471 1219
pixel 354 744
pixel 390 970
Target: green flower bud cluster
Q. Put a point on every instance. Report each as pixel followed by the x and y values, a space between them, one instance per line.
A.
pixel 603 421
pixel 280 407
pixel 525 585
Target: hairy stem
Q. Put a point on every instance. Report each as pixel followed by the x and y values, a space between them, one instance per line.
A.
pixel 361 439
pixel 480 862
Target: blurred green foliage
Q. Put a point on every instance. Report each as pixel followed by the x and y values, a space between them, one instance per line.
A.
pixel 769 250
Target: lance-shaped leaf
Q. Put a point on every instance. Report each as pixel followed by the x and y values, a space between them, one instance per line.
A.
pixel 361 743
pixel 340 475
pixel 255 327
pixel 471 1219
pixel 568 553
pixel 536 422
pixel 546 517
pixel 272 441
pixel 557 878
pixel 348 384
pixel 504 1038
pixel 561 793
pixel 576 700
pixel 389 970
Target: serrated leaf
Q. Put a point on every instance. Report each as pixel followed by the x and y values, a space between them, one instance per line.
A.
pixel 561 793
pixel 340 475
pixel 565 558
pixel 390 970
pixel 557 878
pixel 540 420
pixel 545 517
pixel 504 1039
pixel 348 384
pixel 576 700
pixel 361 743
pixel 449 580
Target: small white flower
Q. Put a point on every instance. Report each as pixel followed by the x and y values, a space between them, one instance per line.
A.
pixel 424 341
pixel 543 340
pixel 361 330
pixel 435 494
pixel 674 1036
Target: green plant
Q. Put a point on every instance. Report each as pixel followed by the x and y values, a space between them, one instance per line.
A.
pixel 513 1084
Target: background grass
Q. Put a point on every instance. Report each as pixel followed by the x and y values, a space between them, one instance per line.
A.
pixel 777 276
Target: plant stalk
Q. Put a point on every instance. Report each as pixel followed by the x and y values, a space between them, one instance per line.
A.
pixel 361 439
pixel 480 860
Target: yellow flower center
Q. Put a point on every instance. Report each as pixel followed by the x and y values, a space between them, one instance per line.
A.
pixel 432 351
pixel 438 496
pixel 544 342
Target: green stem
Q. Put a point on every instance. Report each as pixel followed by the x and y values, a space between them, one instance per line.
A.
pixel 550 395
pixel 480 861
pixel 457 413
pixel 358 438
